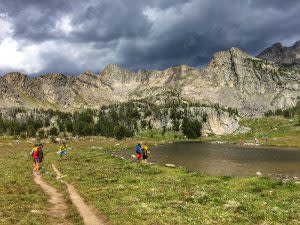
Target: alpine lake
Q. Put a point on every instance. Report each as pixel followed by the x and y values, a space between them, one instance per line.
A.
pixel 226 159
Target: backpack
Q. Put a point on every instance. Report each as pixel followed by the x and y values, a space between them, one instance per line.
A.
pixel 34 152
pixel 138 149
pixel 40 154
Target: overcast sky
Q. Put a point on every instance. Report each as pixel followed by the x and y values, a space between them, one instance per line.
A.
pixel 71 36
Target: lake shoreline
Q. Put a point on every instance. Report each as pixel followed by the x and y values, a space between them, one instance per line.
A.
pixel 248 161
pixel 296 148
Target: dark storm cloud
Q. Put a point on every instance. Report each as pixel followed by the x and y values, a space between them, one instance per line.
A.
pixel 75 35
pixel 275 4
pixel 214 27
pixel 109 20
pixel 34 19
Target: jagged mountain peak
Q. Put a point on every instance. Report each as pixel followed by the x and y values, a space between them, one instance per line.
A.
pixel 88 75
pixel 114 72
pixel 15 78
pixel 282 54
pixel 278 45
pixel 226 57
pixel 15 75
pixel 49 76
pixel 232 50
pixel 113 68
pixel 181 67
pixel 296 45
pixel 179 70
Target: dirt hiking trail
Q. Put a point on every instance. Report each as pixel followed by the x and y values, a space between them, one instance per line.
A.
pixel 58 209
pixel 86 212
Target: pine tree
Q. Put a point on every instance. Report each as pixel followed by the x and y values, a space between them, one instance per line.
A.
pixel 31 131
pixel 191 128
pixel 41 134
pixel 53 131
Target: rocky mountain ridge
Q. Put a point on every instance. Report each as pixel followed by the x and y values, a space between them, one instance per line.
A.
pixel 282 54
pixel 231 79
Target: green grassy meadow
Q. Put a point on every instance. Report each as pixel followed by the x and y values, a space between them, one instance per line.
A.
pixel 131 193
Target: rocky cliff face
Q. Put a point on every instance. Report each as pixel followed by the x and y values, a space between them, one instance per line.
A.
pixel 232 79
pixel 281 54
pixel 249 84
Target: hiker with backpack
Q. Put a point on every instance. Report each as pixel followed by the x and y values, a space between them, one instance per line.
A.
pixel 37 155
pixel 62 150
pixel 145 152
pixel 138 150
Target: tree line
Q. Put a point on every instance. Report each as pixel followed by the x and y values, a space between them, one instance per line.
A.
pixel 118 120
pixel 287 113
